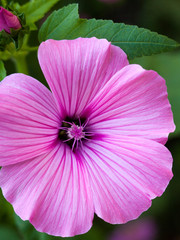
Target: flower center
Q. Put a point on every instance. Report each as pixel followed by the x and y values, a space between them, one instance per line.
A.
pixel 76 132
pixel 73 132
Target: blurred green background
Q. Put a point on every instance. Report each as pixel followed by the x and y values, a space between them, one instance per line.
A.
pixel 162 220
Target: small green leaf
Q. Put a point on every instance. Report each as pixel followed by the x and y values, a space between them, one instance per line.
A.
pixel 2 71
pixel 66 24
pixel 34 10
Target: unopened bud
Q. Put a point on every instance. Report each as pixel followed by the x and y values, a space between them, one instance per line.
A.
pixel 8 20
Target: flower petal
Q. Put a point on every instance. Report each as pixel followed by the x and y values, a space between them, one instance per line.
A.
pixel 77 69
pixel 52 191
pixel 133 103
pixel 125 174
pixel 29 119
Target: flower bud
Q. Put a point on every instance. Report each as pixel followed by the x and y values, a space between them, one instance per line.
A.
pixel 8 20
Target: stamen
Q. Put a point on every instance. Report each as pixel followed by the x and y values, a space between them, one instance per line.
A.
pixel 86 122
pixel 73 132
pixel 74 144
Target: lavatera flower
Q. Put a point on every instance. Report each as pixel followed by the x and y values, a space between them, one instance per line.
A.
pixel 93 144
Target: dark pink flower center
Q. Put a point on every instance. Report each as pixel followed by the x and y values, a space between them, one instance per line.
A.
pixel 73 132
pixel 76 132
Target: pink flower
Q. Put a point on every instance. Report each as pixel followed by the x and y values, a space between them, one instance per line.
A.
pixel 8 20
pixel 95 144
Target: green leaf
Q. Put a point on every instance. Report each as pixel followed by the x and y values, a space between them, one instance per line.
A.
pixel 2 71
pixel 167 65
pixel 66 24
pixel 34 10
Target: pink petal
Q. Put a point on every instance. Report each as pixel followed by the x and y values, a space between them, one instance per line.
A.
pixel 52 191
pixel 29 119
pixel 133 103
pixel 77 69
pixel 125 173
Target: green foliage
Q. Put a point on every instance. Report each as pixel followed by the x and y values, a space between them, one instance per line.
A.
pixel 26 229
pixel 5 39
pixel 8 51
pixel 2 71
pixel 7 233
pixel 16 36
pixel 36 9
pixel 167 65
pixel 66 24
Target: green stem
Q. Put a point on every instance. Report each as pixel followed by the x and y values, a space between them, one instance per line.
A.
pixel 4 3
pixel 21 64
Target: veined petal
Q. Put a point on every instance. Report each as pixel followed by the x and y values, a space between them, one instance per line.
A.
pixel 29 119
pixel 125 174
pixel 77 69
pixel 133 103
pixel 52 191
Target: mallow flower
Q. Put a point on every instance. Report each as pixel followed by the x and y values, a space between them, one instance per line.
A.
pixel 93 143
pixel 8 20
